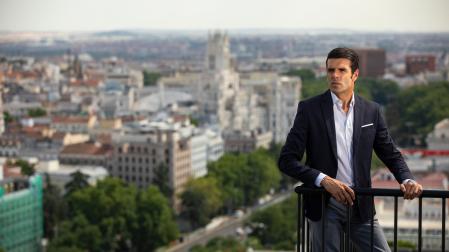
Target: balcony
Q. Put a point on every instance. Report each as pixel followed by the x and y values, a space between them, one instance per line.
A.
pixel 432 238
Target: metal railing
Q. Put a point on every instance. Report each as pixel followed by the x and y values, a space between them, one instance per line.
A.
pixel 303 236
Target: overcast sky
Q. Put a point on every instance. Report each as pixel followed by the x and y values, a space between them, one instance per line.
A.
pixel 90 15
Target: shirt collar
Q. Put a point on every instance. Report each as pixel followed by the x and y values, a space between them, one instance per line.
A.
pixel 336 100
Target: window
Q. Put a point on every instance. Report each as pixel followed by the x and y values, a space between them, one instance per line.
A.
pixel 211 62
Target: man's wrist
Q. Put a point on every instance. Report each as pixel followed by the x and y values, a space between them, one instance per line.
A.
pixel 408 181
pixel 324 181
pixel 319 179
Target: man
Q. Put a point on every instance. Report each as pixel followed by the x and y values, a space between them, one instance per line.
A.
pixel 338 130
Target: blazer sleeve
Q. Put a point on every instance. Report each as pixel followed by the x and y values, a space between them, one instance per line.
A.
pixel 293 150
pixel 387 151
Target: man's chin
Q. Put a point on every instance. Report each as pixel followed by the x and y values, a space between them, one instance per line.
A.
pixel 335 90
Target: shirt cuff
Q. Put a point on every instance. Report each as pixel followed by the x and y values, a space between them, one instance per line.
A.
pixel 408 180
pixel 319 178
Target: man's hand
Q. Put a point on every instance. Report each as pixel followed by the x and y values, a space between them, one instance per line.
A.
pixel 411 189
pixel 340 191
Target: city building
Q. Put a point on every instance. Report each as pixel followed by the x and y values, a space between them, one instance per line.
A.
pixel 237 101
pixel 61 174
pixel 415 64
pixel 116 99
pixel 372 62
pixel 21 214
pixel 438 139
pixel 88 153
pixel 143 147
pixel 73 124
pixel 247 141
pixel 125 76
pixel 215 145
pixel 198 143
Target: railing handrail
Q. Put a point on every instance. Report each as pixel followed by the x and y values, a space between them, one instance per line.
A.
pixel 379 192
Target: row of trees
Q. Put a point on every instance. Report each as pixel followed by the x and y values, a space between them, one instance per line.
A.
pixel 233 181
pixel 112 216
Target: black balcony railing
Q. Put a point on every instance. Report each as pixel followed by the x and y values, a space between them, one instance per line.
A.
pixel 304 239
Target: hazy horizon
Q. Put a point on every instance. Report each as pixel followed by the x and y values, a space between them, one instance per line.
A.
pixel 198 15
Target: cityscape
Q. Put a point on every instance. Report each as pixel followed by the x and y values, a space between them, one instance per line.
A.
pixel 168 139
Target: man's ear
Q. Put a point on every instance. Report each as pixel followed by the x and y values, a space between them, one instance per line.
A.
pixel 355 75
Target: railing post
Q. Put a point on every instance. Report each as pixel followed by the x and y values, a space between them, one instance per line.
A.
pixel 372 223
pixel 303 225
pixel 420 225
pixel 395 241
pixel 323 220
pixel 443 225
pixel 308 236
pixel 348 228
pixel 298 233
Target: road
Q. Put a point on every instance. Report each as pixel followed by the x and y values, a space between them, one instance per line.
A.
pixel 227 228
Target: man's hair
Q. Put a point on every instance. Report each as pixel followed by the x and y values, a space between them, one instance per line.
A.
pixel 346 53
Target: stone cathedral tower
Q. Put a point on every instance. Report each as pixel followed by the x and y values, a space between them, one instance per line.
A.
pixel 219 83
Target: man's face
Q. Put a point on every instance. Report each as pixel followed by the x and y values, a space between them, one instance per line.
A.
pixel 340 78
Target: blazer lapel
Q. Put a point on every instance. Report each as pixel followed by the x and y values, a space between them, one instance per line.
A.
pixel 328 115
pixel 358 120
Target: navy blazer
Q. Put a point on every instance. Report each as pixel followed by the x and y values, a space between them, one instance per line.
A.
pixel 313 131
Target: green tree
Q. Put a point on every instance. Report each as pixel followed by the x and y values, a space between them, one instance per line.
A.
pixel 304 74
pixel 261 174
pixel 110 206
pixel 228 172
pixel 224 244
pixel 26 168
pixel 115 216
pixel 150 78
pixel 77 233
pixel 7 117
pixel 380 91
pixel 244 177
pixel 312 87
pixel 201 200
pixel 275 226
pixel 416 111
pixel 36 112
pixel 78 182
pixel 156 226
pixel 54 248
pixel 161 179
